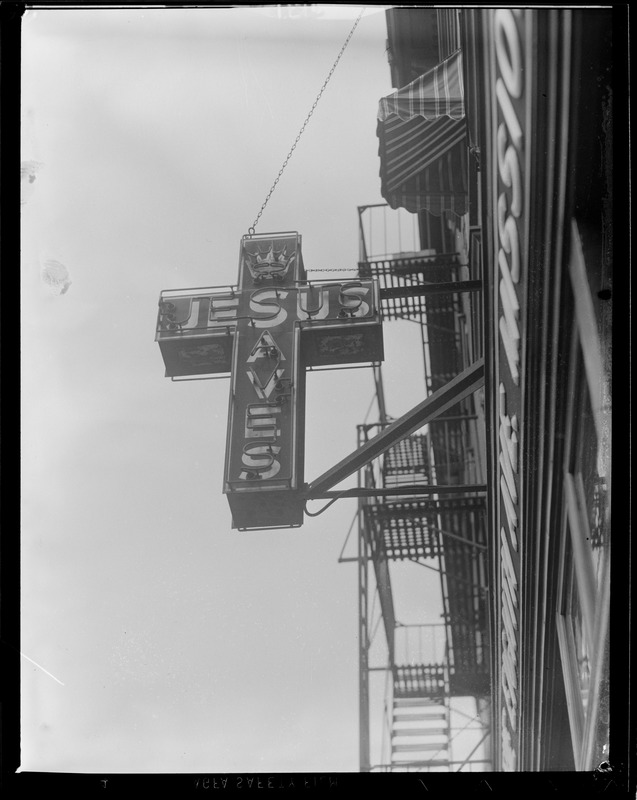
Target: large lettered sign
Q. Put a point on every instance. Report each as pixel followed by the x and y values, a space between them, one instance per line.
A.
pixel 266 332
pixel 510 33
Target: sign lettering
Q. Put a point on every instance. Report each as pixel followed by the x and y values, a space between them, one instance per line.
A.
pixel 509 159
pixel 266 332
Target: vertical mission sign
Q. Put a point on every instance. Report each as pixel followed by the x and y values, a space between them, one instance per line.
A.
pixel 266 332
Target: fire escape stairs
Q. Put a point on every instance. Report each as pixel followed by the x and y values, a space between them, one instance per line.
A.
pixel 421 735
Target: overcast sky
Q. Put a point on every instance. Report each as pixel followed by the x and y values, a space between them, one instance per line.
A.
pixel 156 638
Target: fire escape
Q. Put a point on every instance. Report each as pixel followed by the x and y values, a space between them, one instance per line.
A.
pixel 432 713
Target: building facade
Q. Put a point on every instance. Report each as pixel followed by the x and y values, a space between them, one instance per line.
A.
pixel 510 183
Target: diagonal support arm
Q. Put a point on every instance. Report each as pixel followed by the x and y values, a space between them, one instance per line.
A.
pixel 464 384
pixel 447 287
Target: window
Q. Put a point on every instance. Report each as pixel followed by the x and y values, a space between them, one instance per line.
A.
pixel 584 571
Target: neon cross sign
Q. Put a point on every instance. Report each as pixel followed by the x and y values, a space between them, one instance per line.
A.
pixel 266 333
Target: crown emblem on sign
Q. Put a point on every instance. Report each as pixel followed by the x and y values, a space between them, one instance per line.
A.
pixel 271 265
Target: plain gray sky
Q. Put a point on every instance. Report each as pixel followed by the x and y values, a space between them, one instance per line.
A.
pixel 155 638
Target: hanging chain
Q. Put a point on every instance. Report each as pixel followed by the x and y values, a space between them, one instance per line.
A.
pixel 307 119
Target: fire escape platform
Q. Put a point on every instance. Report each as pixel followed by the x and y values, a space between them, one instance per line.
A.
pixel 415 528
pixel 418 681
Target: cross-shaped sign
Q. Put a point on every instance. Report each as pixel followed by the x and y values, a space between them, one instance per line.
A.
pixel 266 333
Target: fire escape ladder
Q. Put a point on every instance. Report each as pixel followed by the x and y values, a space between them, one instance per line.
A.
pixel 421 732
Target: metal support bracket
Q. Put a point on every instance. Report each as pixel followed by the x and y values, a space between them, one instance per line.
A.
pixel 461 489
pixel 463 385
pixel 422 290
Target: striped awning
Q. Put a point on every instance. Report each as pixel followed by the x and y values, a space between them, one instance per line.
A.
pixel 423 142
